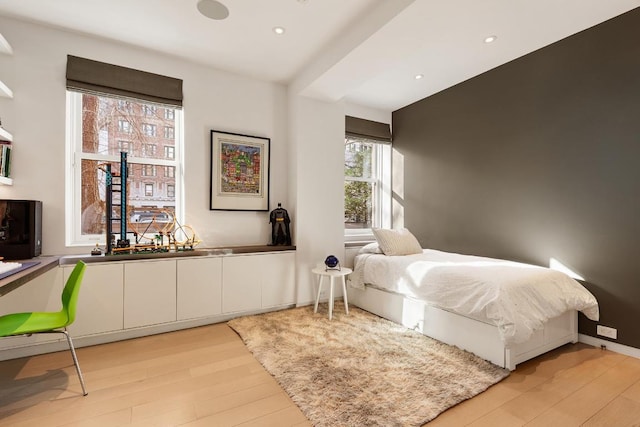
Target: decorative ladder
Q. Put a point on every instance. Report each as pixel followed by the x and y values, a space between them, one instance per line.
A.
pixel 117 193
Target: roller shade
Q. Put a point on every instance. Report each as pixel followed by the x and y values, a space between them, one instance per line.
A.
pixel 86 75
pixel 367 129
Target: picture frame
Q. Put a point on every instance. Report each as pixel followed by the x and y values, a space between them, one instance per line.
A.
pixel 239 166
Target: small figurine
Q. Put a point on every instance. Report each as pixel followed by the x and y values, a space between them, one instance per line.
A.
pixel 96 250
pixel 279 220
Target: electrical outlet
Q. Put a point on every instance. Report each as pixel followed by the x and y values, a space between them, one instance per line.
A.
pixel 606 331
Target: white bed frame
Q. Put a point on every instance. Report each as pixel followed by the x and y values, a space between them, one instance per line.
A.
pixel 469 334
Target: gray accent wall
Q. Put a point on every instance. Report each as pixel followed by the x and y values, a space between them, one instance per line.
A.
pixel 538 159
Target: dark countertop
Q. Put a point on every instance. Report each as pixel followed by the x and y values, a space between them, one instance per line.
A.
pixel 14 281
pixel 220 251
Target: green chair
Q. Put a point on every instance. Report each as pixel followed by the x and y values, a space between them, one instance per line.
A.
pixel 50 322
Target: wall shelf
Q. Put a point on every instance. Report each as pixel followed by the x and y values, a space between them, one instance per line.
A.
pixel 5 47
pixel 5 91
pixel 5 136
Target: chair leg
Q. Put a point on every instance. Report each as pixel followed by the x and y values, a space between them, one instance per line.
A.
pixel 75 361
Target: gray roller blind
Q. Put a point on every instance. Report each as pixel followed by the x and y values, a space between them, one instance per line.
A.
pixel 363 128
pixel 87 75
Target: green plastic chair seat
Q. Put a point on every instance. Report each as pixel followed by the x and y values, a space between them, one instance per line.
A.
pixel 50 322
pixel 30 323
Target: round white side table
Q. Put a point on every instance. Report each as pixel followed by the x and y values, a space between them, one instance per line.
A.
pixel 321 272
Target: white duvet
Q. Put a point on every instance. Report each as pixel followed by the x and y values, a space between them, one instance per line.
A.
pixel 517 298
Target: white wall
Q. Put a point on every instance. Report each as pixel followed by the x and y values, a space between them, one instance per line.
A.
pixel 307 142
pixel 213 99
pixel 317 135
pixel 317 185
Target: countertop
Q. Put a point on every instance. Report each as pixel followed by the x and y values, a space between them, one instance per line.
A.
pixel 14 281
pixel 220 251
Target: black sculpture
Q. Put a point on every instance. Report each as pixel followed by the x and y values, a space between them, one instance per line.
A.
pixel 279 220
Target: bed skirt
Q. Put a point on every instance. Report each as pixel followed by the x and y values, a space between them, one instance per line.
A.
pixel 475 336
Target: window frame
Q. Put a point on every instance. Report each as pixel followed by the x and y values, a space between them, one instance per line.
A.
pixel 73 162
pixel 381 183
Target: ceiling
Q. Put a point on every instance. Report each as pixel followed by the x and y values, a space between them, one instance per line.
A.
pixel 366 52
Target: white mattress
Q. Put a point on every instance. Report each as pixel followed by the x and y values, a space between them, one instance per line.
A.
pixel 516 297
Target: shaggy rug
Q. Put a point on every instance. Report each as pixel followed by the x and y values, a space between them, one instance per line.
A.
pixel 362 370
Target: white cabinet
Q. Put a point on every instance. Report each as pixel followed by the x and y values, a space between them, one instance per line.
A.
pixel 278 279
pixel 199 287
pixel 101 299
pixel 149 293
pixel 44 293
pixel 241 277
pixel 258 281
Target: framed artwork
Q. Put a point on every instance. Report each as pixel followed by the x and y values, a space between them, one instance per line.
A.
pixel 239 172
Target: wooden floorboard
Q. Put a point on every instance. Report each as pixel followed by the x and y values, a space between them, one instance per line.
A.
pixel 206 377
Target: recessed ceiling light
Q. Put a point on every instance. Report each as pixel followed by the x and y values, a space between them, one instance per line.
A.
pixel 278 30
pixel 418 76
pixel 490 39
pixel 213 9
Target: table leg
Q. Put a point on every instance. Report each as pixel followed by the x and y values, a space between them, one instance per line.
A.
pixel 331 298
pixel 344 296
pixel 315 308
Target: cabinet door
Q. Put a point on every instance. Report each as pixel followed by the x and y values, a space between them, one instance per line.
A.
pixel 199 287
pixel 44 293
pixel 278 279
pixel 149 293
pixel 241 276
pixel 101 299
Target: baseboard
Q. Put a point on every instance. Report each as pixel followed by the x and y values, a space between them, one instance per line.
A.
pixel 615 347
pixel 123 334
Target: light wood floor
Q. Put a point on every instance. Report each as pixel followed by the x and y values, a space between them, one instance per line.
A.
pixel 206 377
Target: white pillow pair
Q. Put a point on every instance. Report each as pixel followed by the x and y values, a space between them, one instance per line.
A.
pixel 393 242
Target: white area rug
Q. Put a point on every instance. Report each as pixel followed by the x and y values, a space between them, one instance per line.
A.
pixel 360 369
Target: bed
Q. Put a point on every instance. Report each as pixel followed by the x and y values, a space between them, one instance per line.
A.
pixel 503 311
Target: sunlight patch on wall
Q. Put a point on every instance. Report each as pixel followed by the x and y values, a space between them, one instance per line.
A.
pixel 554 264
pixel 397 182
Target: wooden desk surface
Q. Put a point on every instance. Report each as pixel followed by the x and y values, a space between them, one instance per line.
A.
pixel 20 278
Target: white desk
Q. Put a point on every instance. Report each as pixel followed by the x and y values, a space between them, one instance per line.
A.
pixel 332 274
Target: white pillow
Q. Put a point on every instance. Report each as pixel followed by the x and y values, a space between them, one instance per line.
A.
pixel 397 242
pixel 370 248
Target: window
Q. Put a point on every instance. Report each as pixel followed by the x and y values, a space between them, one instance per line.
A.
pixel 149 110
pixel 171 190
pixel 149 150
pixel 124 146
pixel 124 126
pixel 148 170
pixel 168 132
pixel 169 152
pixel 367 184
pixel 169 172
pixel 169 114
pixel 149 129
pixel 125 106
pixel 94 123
